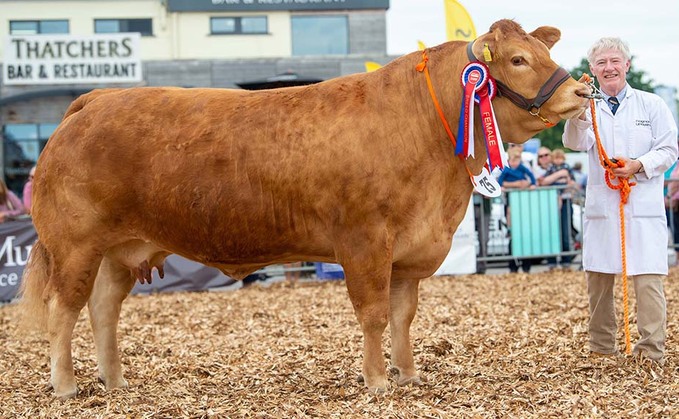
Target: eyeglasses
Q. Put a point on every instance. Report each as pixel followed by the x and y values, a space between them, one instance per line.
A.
pixel 543 155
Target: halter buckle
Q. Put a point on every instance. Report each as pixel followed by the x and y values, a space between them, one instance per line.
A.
pixel 535 111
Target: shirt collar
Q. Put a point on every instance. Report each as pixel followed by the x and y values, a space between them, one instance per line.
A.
pixel 621 95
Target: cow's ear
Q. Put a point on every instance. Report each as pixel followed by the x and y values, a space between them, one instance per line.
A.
pixel 547 34
pixel 484 46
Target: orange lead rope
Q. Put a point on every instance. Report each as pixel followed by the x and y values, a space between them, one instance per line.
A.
pixel 625 187
pixel 422 67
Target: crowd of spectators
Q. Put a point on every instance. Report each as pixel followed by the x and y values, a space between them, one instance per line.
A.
pixel 547 168
pixel 11 206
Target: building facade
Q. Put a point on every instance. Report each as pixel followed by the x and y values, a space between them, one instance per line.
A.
pixel 53 51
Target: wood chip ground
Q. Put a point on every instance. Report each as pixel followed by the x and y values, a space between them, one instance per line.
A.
pixel 488 346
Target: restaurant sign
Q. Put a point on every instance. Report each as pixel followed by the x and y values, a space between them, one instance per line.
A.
pixel 69 59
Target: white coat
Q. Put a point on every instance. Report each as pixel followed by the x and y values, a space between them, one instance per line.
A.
pixel 642 128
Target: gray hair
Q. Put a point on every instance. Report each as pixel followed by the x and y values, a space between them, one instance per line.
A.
pixel 606 44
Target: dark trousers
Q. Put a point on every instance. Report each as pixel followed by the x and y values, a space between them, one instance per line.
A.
pixel 524 264
pixel 675 226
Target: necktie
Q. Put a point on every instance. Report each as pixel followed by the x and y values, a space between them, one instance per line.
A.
pixel 613 101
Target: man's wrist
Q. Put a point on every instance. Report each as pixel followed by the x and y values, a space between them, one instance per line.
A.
pixel 641 168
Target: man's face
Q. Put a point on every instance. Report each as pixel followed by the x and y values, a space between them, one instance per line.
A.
pixel 609 68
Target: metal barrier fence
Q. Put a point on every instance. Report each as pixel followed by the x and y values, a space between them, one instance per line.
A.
pixel 531 224
pixel 541 208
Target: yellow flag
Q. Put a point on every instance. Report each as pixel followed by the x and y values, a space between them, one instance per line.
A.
pixel 371 66
pixel 459 25
pixel 421 46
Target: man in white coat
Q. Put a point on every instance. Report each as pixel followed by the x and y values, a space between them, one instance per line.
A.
pixel 636 128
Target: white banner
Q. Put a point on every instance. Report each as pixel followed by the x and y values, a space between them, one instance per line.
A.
pixel 70 59
pixel 462 256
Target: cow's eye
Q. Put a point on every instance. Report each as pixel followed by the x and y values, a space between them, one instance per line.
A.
pixel 518 61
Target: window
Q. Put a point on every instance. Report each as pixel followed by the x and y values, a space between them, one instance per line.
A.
pixel 22 145
pixel 320 35
pixel 143 26
pixel 238 25
pixel 34 27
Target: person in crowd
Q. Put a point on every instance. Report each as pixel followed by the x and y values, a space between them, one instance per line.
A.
pixel 673 204
pixel 669 214
pixel 543 159
pixel 543 163
pixel 526 158
pixel 580 176
pixel 579 199
pixel 27 195
pixel 560 173
pixel 10 204
pixel 637 129
pixel 482 214
pixel 292 272
pixel 516 176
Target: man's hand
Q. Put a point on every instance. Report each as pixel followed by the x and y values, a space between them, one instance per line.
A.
pixel 629 167
pixel 584 79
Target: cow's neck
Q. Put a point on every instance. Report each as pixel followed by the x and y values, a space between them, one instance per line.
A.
pixel 418 119
pixel 445 66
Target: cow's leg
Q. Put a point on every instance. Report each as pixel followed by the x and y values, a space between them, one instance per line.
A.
pixel 61 321
pixel 69 289
pixel 403 305
pixel 114 282
pixel 367 281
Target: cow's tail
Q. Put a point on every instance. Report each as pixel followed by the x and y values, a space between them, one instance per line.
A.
pixel 32 294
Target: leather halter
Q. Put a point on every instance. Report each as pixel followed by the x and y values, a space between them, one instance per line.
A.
pixel 531 105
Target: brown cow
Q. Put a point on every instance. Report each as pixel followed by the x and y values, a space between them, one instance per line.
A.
pixel 356 170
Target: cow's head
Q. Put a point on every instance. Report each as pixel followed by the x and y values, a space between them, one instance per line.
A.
pixel 521 64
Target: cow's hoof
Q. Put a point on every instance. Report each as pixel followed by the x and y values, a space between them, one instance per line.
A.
pixel 377 387
pixel 114 383
pixel 404 378
pixel 65 394
pixel 377 390
pixel 412 380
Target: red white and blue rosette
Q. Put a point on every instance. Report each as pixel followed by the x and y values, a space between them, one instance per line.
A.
pixel 479 87
pixel 492 90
